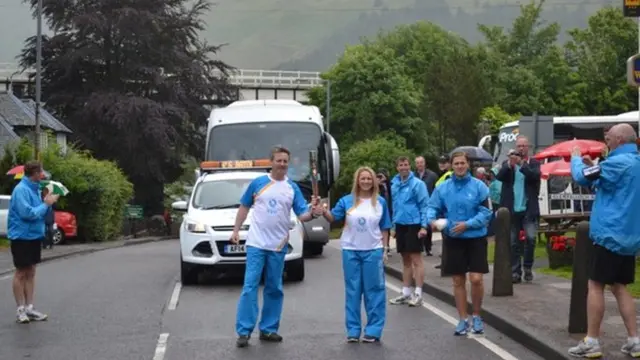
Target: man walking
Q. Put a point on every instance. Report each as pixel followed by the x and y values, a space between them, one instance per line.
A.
pixel 429 178
pixel 26 231
pixel 520 176
pixel 410 198
pixel 615 232
pixel 272 198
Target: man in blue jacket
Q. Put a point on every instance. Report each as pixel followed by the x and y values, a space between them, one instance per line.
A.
pixel 409 196
pixel 26 231
pixel 464 202
pixel 615 232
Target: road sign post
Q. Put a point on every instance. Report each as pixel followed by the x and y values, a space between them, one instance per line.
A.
pixel 133 213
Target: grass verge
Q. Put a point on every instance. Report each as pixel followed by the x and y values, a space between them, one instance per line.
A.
pixel 566 272
pixel 334 234
pixel 4 243
pixel 540 251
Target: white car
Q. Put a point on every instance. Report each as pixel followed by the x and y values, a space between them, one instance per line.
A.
pixel 208 223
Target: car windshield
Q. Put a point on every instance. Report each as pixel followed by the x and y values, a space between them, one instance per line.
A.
pixel 251 141
pixel 220 194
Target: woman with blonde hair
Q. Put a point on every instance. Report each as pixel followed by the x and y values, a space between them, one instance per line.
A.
pixel 363 240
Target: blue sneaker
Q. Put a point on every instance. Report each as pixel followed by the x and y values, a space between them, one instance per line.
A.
pixel 462 328
pixel 478 325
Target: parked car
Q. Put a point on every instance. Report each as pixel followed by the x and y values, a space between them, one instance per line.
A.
pixel 65 225
pixel 207 225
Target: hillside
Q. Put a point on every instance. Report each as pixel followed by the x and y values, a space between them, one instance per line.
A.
pixel 308 34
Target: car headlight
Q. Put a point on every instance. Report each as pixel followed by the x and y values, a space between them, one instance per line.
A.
pixel 196 227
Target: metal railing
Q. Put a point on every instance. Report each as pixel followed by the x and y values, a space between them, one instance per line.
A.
pixel 249 79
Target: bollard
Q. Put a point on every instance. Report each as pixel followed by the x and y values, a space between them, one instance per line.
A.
pixel 579 280
pixel 502 279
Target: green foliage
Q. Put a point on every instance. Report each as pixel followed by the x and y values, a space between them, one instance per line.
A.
pixel 378 152
pixel 98 190
pixel 496 117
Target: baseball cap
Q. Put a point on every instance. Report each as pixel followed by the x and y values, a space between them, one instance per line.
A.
pixel 443 159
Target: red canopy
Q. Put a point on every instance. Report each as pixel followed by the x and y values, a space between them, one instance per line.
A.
pixel 555 168
pixel 564 149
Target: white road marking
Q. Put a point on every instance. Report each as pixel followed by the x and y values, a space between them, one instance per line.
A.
pixel 490 345
pixel 161 348
pixel 175 296
pixel 5 277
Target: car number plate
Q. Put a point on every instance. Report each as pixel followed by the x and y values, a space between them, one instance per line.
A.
pixel 235 249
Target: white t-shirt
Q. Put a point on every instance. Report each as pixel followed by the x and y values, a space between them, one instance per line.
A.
pixel 272 202
pixel 364 223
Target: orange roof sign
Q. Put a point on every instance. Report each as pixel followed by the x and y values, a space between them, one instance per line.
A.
pixel 235 164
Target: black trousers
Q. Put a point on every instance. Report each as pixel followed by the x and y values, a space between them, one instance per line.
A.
pixel 48 237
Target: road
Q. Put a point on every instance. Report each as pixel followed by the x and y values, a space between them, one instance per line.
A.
pixel 126 304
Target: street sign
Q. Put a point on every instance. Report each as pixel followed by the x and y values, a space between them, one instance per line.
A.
pixel 633 70
pixel 631 8
pixel 572 197
pixel 134 212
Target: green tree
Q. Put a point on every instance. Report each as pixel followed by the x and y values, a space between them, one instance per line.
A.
pixel 599 53
pixel 495 116
pixel 377 152
pixel 129 78
pixel 528 70
pixel 455 91
pixel 370 93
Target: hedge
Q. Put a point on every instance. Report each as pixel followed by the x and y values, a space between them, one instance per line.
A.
pixel 98 190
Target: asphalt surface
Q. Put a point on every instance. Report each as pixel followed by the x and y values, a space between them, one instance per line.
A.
pixel 124 304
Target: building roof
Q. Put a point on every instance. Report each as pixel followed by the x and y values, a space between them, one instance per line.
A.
pixel 16 112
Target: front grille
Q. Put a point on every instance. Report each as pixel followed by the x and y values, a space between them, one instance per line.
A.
pixel 229 228
pixel 221 244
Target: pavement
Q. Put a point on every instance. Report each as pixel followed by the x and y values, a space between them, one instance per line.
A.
pixel 126 303
pixel 536 316
pixel 62 251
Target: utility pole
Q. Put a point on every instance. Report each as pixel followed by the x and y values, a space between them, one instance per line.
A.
pixel 38 78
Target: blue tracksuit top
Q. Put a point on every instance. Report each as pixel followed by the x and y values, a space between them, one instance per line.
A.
pixel 462 199
pixel 409 199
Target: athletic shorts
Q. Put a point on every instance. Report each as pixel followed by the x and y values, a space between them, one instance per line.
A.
pixel 407 240
pixel 465 255
pixel 26 253
pixel 607 267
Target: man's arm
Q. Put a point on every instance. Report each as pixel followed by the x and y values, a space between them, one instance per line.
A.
pixel 482 218
pixel 300 208
pixel 246 202
pixel 578 171
pixel 505 174
pixel 434 206
pixel 25 211
pixel 423 201
pixel 531 170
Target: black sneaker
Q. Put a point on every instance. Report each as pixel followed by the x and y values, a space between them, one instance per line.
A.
pixel 528 275
pixel 353 340
pixel 272 337
pixel 243 341
pixel 370 339
pixel 516 279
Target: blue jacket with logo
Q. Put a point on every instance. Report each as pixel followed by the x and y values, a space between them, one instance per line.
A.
pixel 614 221
pixel 464 199
pixel 409 199
pixel 26 212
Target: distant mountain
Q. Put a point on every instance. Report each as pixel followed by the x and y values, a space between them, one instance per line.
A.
pixel 309 34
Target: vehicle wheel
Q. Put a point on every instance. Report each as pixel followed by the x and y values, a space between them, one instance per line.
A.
pixel 57 237
pixel 188 273
pixel 295 270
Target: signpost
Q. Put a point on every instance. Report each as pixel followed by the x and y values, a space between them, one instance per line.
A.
pixel 133 213
pixel 631 8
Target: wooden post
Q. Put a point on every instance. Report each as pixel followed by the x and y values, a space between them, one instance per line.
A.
pixel 579 280
pixel 502 279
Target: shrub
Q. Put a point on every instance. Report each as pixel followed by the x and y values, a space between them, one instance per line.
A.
pixel 98 190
